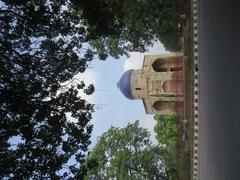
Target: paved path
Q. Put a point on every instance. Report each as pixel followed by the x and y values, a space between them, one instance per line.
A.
pixel 219 89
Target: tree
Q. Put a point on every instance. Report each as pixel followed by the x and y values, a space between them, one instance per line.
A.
pixel 42 46
pixel 117 27
pixel 126 153
pixel 169 157
pixel 166 134
pixel 166 128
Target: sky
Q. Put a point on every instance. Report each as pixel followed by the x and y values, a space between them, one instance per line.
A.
pixel 111 107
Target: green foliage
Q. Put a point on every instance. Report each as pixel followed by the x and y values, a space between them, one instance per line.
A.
pixel 166 133
pixel 126 153
pixel 41 47
pixel 170 161
pixel 118 26
pixel 166 128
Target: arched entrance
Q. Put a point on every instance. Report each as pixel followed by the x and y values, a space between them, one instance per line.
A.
pixel 159 65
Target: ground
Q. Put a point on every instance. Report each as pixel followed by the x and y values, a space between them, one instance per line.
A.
pixel 185 131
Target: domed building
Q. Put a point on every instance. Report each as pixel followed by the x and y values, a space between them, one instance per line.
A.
pixel 159 84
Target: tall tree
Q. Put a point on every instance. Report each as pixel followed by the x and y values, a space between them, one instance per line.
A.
pixel 42 45
pixel 126 153
pixel 116 27
pixel 166 131
pixel 166 128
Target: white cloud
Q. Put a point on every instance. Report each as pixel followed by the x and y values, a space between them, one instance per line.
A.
pixel 135 59
pixel 149 124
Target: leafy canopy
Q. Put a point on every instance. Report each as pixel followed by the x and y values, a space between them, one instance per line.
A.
pixel 126 153
pixel 166 128
pixel 116 27
pixel 166 131
pixel 42 45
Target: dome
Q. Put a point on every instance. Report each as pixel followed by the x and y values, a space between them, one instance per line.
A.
pixel 124 84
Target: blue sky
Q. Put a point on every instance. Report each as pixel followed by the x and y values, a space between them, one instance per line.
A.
pixel 112 108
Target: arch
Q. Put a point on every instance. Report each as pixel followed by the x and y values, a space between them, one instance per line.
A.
pixel 159 65
pixel 161 105
pixel 172 64
pixel 165 86
pixel 173 86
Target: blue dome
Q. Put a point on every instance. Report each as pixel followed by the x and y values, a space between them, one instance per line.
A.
pixel 124 84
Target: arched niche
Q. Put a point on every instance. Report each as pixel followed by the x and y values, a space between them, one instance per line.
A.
pixel 159 65
pixel 173 86
pixel 161 105
pixel 168 64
